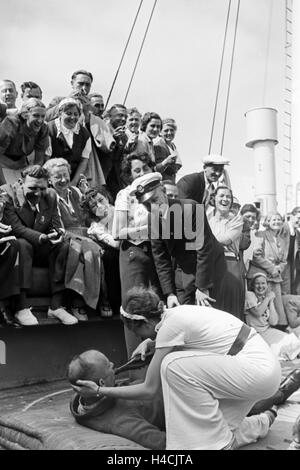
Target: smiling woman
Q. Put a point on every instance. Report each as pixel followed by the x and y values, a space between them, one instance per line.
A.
pixel 227 229
pixel 20 136
pixel 69 139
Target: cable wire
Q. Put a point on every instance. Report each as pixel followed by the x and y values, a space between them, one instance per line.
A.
pixel 267 54
pixel 230 75
pixel 124 52
pixel 140 51
pixel 219 78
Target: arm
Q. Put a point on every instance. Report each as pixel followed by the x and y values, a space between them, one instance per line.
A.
pixel 41 145
pixel 170 160
pixel 103 236
pixel 164 267
pixel 233 232
pixel 81 169
pixel 259 259
pixel 260 309
pixel 273 318
pixel 6 135
pixel 291 305
pixel 144 391
pixel 52 113
pixel 122 231
pixel 18 229
pixel 245 240
pixel 56 221
pixel 206 249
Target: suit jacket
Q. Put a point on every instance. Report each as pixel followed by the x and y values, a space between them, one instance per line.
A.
pixel 192 187
pixel 204 259
pixel 141 421
pixel 27 224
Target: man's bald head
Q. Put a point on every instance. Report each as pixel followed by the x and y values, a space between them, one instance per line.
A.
pixel 91 365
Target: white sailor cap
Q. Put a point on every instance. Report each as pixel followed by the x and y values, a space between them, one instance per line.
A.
pixel 143 186
pixel 215 160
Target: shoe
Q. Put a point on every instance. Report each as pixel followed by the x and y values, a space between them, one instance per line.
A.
pixel 5 318
pixel 62 315
pixel 106 311
pixel 289 385
pixel 24 317
pixel 80 314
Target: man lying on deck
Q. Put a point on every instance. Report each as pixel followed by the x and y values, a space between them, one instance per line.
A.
pixel 141 421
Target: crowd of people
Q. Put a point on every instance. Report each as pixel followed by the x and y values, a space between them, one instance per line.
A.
pixel 92 194
pixel 79 183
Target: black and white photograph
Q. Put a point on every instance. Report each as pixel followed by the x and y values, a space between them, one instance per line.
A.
pixel 150 228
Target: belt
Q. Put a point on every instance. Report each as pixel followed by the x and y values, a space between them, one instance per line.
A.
pixel 240 340
pixel 145 246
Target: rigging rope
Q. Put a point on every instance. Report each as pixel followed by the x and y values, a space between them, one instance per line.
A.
pixel 124 52
pixel 140 51
pixel 230 75
pixel 267 53
pixel 219 79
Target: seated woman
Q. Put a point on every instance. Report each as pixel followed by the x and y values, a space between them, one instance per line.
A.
pixel 270 253
pixel 167 158
pixel 84 266
pixel 227 229
pixel 69 139
pixel 23 136
pixel 99 214
pixel 261 315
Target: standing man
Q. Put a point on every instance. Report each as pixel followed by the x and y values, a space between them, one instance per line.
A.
pixel 81 82
pixel 189 260
pixel 200 186
pixel 116 120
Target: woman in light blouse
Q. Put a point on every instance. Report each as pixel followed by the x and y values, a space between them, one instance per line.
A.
pixel 130 226
pixel 227 229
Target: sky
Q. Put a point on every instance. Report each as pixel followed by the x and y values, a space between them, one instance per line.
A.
pixel 47 40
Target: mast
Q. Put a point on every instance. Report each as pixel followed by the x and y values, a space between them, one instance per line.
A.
pixel 295 135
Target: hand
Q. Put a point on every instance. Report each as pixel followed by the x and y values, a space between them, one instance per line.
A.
pixel 148 345
pixel 120 136
pixel 169 160
pixel 86 388
pixel 5 228
pixel 172 301
pixel 271 295
pixel 202 298
pixel 43 238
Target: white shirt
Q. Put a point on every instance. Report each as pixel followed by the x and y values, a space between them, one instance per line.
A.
pixel 137 213
pixel 202 328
